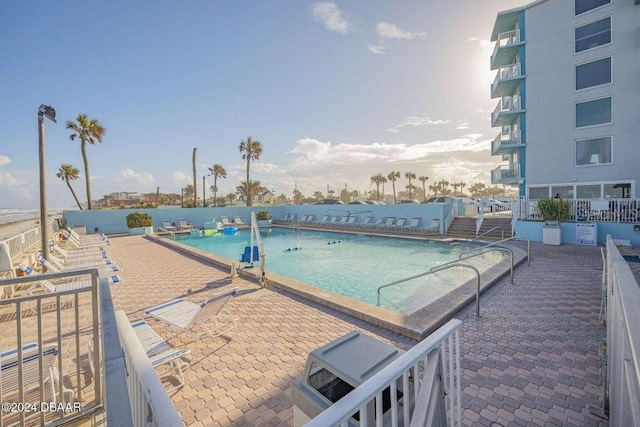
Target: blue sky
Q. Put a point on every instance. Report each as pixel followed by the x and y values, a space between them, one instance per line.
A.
pixel 335 91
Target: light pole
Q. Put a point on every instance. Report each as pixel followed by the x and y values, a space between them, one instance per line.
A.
pixel 50 113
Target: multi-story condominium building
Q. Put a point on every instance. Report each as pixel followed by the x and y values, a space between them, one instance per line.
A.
pixel 568 90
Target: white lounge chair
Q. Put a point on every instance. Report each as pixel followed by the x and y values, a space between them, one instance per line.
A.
pixel 225 221
pixel 237 222
pixel 368 221
pixel 167 226
pixel 106 270
pixel 162 356
pixel 413 225
pixel 434 227
pixel 323 221
pixel 184 225
pixel 47 286
pixel 183 315
pixel 10 374
pixel 387 223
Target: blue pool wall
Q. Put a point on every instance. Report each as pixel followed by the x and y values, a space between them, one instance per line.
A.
pixel 532 230
pixel 113 221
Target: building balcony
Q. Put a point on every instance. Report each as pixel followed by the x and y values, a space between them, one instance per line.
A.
pixel 507 111
pixel 506 81
pixel 506 48
pixel 508 175
pixel 506 144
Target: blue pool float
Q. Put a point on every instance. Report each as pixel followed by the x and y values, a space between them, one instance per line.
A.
pixel 230 230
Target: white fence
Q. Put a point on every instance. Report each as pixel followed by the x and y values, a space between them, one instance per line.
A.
pixel 600 210
pixel 623 340
pixel 428 375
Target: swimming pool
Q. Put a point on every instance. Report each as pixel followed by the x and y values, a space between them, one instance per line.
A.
pixel 353 265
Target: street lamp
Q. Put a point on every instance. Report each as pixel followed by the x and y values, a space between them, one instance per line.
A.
pixel 50 113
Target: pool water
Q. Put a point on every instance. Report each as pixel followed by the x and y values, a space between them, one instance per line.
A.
pixel 353 265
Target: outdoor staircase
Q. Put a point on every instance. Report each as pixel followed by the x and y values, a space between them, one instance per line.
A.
pixel 466 227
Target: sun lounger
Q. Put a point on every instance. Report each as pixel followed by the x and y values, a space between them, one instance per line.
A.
pixel 399 224
pixel 309 219
pixel 237 222
pixel 387 223
pixel 162 356
pixel 10 374
pixel 183 315
pixel 368 222
pixel 323 221
pixel 434 227
pixel 349 222
pixel 183 225
pixel 414 225
pixel 106 270
pixel 46 286
pixel 167 226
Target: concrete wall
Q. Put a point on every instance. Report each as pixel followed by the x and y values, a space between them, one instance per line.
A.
pixel 114 221
pixel 532 230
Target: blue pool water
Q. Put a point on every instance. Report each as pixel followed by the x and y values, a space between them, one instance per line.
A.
pixel 352 265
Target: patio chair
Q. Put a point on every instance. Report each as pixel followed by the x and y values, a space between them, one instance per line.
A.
pixel 322 221
pixel 167 226
pixel 349 222
pixel 80 262
pixel 46 286
pixel 292 218
pixel 87 244
pixel 183 225
pixel 108 270
pixel 413 225
pixel 10 371
pixel 343 221
pixel 88 238
pixel 225 221
pixel 310 219
pixel 434 227
pixel 237 221
pixel 368 221
pixel 183 315
pixel 387 223
pixel 399 224
pixel 162 356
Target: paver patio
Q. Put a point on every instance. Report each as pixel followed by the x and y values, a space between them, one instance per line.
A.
pixel 531 359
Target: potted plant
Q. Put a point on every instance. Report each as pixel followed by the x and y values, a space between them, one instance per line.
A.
pixel 140 223
pixel 553 211
pixel 263 218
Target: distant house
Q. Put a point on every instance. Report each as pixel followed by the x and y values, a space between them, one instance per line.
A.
pixel 265 196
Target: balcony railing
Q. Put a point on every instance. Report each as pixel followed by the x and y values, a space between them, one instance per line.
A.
pixel 506 174
pixel 505 39
pixel 508 72
pixel 500 143
pixel 506 105
pixel 593 210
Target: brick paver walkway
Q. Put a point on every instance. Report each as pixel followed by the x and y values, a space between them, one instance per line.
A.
pixel 531 359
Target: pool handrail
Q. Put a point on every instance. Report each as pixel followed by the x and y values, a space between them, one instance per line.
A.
pixel 514 238
pixel 487 232
pixel 435 270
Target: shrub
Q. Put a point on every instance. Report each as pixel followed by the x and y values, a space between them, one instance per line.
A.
pixel 139 219
pixel 263 216
pixel 554 209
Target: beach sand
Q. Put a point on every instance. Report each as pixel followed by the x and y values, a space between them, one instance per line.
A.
pixel 12 229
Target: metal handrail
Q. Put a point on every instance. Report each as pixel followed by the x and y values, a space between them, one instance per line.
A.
pixel 484 251
pixel 514 238
pixel 487 232
pixel 435 270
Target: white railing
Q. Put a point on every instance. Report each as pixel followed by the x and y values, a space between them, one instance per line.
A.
pixel 150 403
pixel 505 173
pixel 623 340
pixel 62 323
pixel 505 104
pixel 593 210
pixel 428 374
pixel 510 71
pixel 513 138
pixel 22 242
pixel 505 39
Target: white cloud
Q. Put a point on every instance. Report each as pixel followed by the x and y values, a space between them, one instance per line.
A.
pixel 378 49
pixel 130 176
pixel 331 17
pixel 15 192
pixel 180 179
pixel 4 160
pixel 392 31
pixel 462 125
pixel 416 121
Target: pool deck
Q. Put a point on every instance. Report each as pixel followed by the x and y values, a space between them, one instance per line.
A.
pixel 533 358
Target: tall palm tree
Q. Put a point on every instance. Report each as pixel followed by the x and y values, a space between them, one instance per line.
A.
pixel 88 131
pixel 254 188
pixel 455 186
pixel 383 181
pixel 195 185
pixel 251 150
pixel 69 173
pixel 377 180
pixel 218 171
pixel 462 185
pixel 392 177
pixel 423 179
pixel 410 176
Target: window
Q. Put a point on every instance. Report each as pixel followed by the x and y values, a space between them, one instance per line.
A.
pixel 583 6
pixel 536 193
pixel 620 190
pixel 565 191
pixel 588 191
pixel 593 35
pixel 594 112
pixel 594 73
pixel 595 151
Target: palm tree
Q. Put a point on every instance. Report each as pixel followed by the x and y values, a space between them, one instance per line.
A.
pixel 461 185
pixel 218 171
pixel 69 173
pixel 253 187
pixel 455 187
pixel 423 179
pixel 195 186
pixel 252 150
pixel 377 180
pixel 434 188
pixel 392 177
pixel 410 176
pixel 88 130
pixel 318 195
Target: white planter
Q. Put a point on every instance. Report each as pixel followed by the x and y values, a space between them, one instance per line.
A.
pixel 141 230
